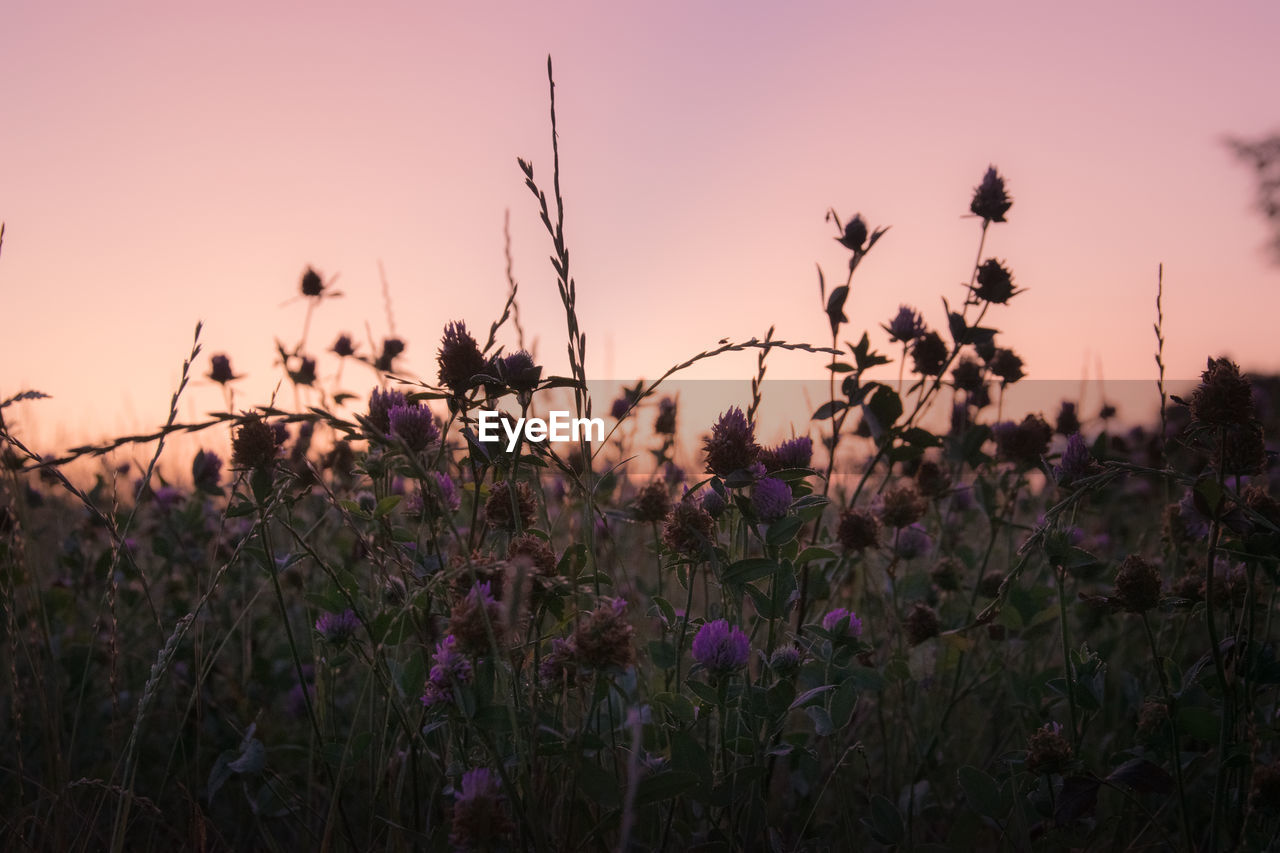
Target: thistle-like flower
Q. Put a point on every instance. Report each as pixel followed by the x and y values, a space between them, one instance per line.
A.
pixel 459 358
pixel 770 498
pixel 990 200
pixel 414 425
pixel 842 622
pixel 995 283
pixel 732 444
pixel 906 325
pixel 338 628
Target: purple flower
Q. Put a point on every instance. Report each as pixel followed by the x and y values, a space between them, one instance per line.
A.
pixel 786 660
pixel 1077 461
pixel 519 371
pixel 732 444
pixel 792 453
pixel 906 326
pixel 721 648
pixel 770 498
pixel 480 819
pixel 380 405
pixel 450 668
pixel 560 664
pixel 459 358
pixel 912 541
pixel 220 369
pixel 343 347
pixel 842 622
pixel 414 425
pixel 713 503
pixel 338 628
pixel 990 199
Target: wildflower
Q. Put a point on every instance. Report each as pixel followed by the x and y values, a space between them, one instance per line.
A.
pixel 255 444
pixel 460 358
pixel 855 235
pixel 922 623
pixel 1006 365
pixel 1068 421
pixel 732 444
pixel 1023 444
pixel 497 509
pixel 911 542
pixel 436 498
pixel 967 375
pixel 713 503
pixel 902 505
pixel 1246 451
pixel 519 372
pixel 929 354
pixel 842 622
pixel 473 618
pixel 343 347
pixel 536 550
pixel 989 586
pixel 220 369
pixel 1223 397
pixel 990 200
pixel 946 575
pixel 338 628
pixel 770 498
pixel 689 529
pixel 1077 462
pixel 480 819
pixel 932 479
pixel 391 349
pixel 665 424
pixel 792 453
pixel 624 403
pixel 414 425
pixel 858 530
pixel 722 649
pixel 906 325
pixel 559 666
pixel 311 283
pixel 380 405
pixel 450 668
pixel 603 640
pixel 1137 584
pixel 206 471
pixel 306 372
pixel 786 660
pixel 995 283
pixel 652 503
pixel 1047 749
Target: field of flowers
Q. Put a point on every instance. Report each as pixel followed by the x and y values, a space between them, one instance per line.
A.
pixel 365 628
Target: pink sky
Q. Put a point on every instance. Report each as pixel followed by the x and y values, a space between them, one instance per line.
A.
pixel 160 165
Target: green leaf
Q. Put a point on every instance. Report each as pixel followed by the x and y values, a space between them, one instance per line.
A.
pixel 750 569
pixel 829 409
pixel 982 792
pixel 815 552
pixel 664 785
pixel 809 695
pixel 386 505
pixel 885 823
pixel 783 531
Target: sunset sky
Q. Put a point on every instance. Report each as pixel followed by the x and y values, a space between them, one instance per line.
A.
pixel 161 165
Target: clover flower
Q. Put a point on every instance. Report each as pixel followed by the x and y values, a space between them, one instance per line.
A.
pixel 721 648
pixel 770 498
pixel 842 622
pixel 414 425
pixel 459 358
pixel 480 818
pixel 990 200
pixel 732 444
pixel 906 325
pixel 858 530
pixel 449 669
pixel 338 628
pixel 792 453
pixel 689 528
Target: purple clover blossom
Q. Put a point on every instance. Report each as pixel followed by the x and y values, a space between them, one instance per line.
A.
pixel 1077 462
pixel 732 444
pixel 713 503
pixel 414 425
pixel 480 819
pixel 792 453
pixel 721 648
pixel 206 471
pixel 906 326
pixel 770 498
pixel 338 628
pixel 447 500
pixel 380 405
pixel 450 668
pixel 912 541
pixel 842 622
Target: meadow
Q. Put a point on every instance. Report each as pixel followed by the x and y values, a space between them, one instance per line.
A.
pixel 920 623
